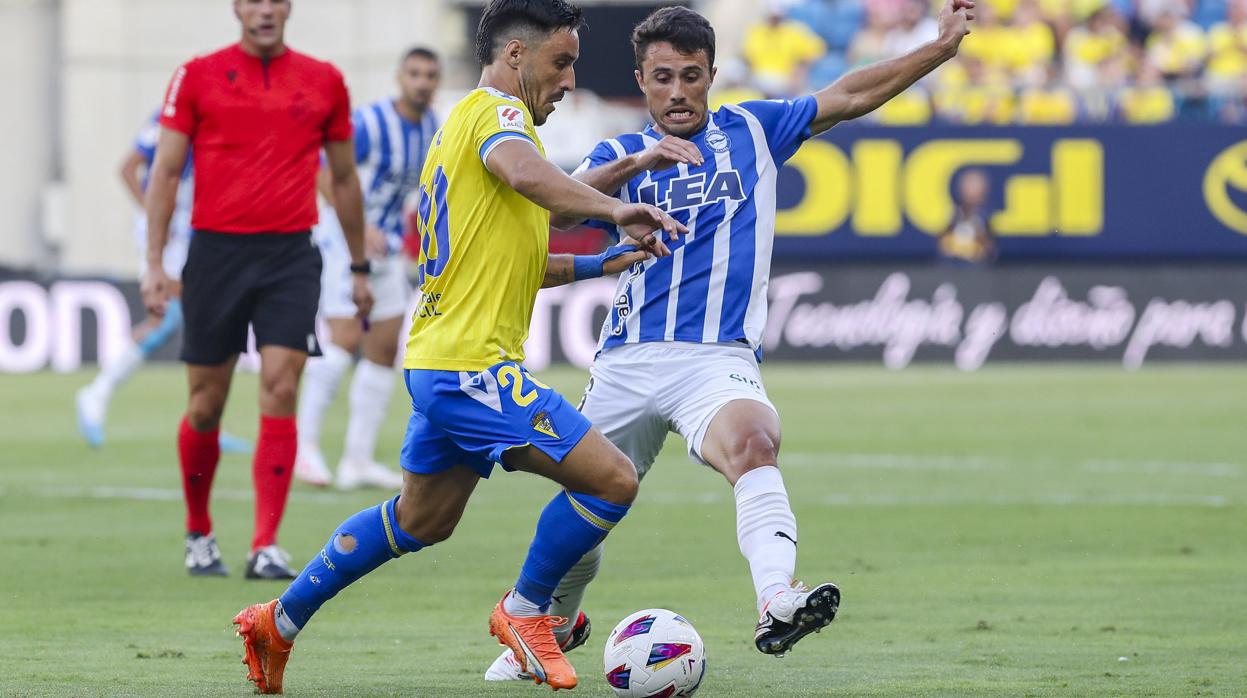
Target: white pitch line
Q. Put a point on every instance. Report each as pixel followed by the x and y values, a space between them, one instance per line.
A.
pixel 1055 499
pixel 891 500
pixel 157 494
pixel 902 461
pixel 1164 468
pixel 889 461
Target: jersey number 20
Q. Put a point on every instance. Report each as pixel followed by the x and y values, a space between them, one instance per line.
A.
pixel 441 225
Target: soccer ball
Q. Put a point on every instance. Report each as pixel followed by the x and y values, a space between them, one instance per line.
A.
pixel 654 654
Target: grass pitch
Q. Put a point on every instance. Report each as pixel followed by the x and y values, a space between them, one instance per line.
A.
pixel 1022 531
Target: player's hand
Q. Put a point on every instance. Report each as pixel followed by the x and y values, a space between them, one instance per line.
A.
pixel 643 223
pixel 375 244
pixel 361 296
pixel 156 289
pixel 669 152
pixel 619 261
pixel 955 18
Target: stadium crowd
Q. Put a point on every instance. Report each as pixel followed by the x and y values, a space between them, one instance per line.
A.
pixel 1044 62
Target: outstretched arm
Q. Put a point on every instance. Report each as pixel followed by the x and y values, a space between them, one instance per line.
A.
pixel 524 169
pixel 866 89
pixel 612 176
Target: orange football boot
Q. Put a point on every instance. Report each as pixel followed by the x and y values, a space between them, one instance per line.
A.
pixel 532 641
pixel 265 650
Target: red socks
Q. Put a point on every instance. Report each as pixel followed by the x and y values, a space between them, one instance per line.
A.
pixel 199 453
pixel 271 471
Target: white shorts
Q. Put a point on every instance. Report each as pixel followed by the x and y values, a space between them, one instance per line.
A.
pixel 176 246
pixel 390 288
pixel 638 393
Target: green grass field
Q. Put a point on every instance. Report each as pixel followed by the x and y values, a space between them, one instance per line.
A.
pixel 1023 531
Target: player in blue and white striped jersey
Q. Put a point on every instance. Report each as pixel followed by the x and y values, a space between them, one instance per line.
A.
pixel 695 319
pixel 392 137
pixel 92 401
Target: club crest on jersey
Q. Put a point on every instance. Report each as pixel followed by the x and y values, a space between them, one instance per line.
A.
pixel 693 191
pixel 543 424
pixel 718 141
pixel 510 118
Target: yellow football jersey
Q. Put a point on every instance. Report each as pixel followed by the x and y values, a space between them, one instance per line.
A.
pixel 483 246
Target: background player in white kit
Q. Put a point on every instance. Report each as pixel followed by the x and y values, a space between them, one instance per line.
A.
pixel 152 333
pixel 696 318
pixel 392 137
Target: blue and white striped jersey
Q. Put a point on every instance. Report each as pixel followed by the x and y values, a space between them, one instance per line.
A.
pixel 713 287
pixel 390 152
pixel 145 145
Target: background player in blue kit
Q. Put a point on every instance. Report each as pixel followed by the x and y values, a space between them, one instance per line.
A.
pixel 392 137
pixel 700 313
pixel 91 402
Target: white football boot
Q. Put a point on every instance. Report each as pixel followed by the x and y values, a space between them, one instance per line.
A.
pixel 309 466
pixel 794 613
pixel 92 408
pixel 354 473
pixel 507 668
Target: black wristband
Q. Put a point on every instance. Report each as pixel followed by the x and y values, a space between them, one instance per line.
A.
pixel 364 267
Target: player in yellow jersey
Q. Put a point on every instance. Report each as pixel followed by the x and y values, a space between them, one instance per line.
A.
pixel 487 194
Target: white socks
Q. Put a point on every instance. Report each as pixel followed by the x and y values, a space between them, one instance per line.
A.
pixel 285 627
pixel 371 388
pixel 320 384
pixel 115 372
pixel 516 605
pixel 766 531
pixel 370 398
pixel 571 592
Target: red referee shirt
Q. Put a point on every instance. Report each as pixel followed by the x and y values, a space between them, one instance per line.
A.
pixel 256 128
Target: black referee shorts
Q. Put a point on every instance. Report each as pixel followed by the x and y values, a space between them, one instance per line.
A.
pixel 270 281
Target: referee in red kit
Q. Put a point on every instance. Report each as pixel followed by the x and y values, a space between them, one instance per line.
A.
pixel 256 116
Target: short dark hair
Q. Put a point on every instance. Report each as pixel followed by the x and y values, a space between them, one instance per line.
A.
pixel 679 26
pixel 503 17
pixel 427 54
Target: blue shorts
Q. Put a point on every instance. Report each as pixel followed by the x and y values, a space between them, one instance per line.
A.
pixel 466 418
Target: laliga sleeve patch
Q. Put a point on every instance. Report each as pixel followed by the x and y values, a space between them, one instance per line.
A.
pixel 510 118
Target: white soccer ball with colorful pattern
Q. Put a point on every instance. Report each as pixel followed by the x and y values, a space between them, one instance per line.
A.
pixel 654 654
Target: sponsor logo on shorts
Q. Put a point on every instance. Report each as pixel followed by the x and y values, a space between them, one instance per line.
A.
pixel 482 387
pixel 543 424
pixel 746 380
